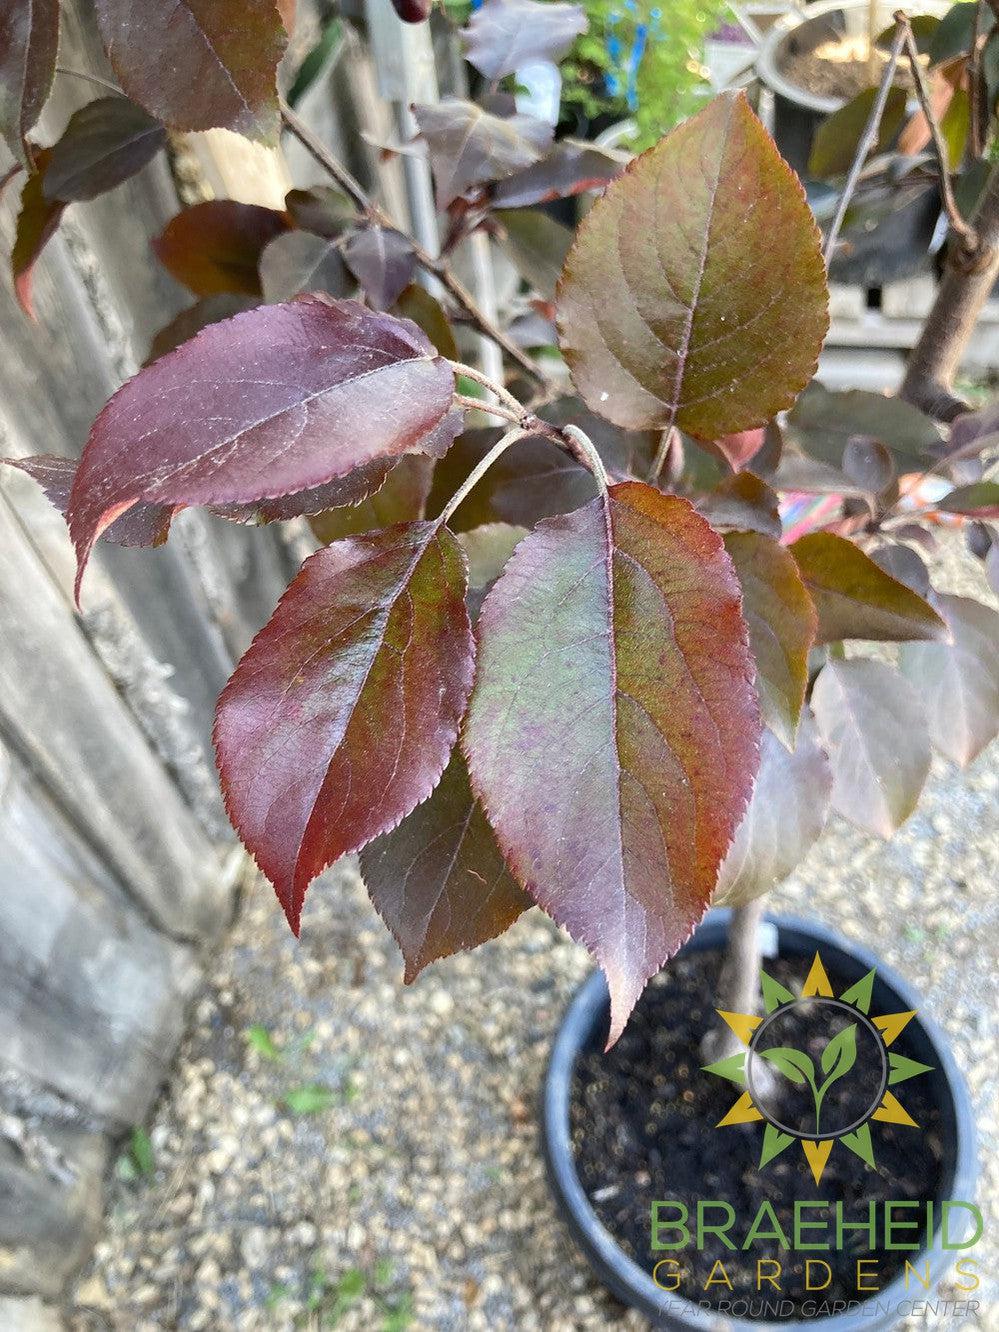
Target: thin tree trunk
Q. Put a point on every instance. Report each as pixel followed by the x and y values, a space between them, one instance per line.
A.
pixel 739 982
pixel 969 277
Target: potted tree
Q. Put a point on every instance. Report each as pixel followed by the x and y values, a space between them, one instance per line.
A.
pixel 572 662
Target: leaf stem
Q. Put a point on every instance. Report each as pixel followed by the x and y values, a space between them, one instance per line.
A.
pixel 428 262
pixel 479 471
pixel 90 78
pixel 586 452
pixel 521 417
pixel 869 137
pixel 502 393
pixel 662 453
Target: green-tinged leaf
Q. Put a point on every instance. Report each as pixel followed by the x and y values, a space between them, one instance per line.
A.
pixel 837 139
pixel 796 472
pixel 840 1055
pixel 321 209
pixel 873 725
pixel 536 245
pixel 856 599
pixel 297 261
pixel 954 127
pixel 105 143
pixel 959 681
pixel 141 1151
pixel 426 311
pixel 952 36
pixel 198 64
pixel 742 502
pixel 487 550
pixel 782 625
pixel 312 65
pixel 903 564
pixel 613 731
pixel 341 716
pixel 978 500
pixel 785 816
pixel 402 498
pixel 260 1039
pixel 796 1066
pixel 29 37
pixel 311 1099
pixel 439 880
pixel 823 420
pixel 675 305
pixel 216 246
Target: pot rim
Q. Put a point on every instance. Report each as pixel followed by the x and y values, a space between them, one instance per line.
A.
pixel 768 69
pixel 620 1273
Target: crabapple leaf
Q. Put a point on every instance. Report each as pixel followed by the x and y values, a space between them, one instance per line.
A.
pixel 958 681
pixel 487 549
pixel 857 599
pixel 105 143
pixel 978 500
pixel 785 816
pixel 469 146
pixel 873 726
pixel 782 625
pixel 837 138
pixel 571 167
pixel 439 880
pixel 503 36
pixel 823 420
pixel 215 247
pixel 416 303
pixel 342 714
pixel 742 502
pixel 29 36
pixel 299 261
pixel 278 400
pixel 209 310
pixel 383 262
pixel 37 222
pixel 402 497
pixel 674 306
pixel 613 731
pixel 536 245
pixel 198 64
pixel 142 525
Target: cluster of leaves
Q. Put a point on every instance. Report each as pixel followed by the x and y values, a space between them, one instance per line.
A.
pixel 960 52
pixel 578 670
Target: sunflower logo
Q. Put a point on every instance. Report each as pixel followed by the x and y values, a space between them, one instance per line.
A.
pixel 817 1069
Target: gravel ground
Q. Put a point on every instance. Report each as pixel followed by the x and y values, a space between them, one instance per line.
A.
pixel 408 1191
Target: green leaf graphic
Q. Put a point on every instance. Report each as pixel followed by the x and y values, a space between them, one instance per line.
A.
pixel 794 1064
pixel 840 1055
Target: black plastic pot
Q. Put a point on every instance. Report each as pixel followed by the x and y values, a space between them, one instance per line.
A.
pixel 584 1029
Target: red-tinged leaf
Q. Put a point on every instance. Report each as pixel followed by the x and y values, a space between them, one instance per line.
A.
pixel 744 503
pixel 737 449
pixel 675 305
pixel 785 816
pixel 275 401
pixel 215 247
pixel 837 138
pixel 341 716
pixel 536 245
pixel 469 147
pixel 37 222
pixel 382 260
pixel 299 261
pixel 782 624
pixel 286 8
pixel 873 727
pixel 105 143
pixel 426 311
pixel 439 881
pixel 974 432
pixel 401 498
pixel 613 731
pixel 503 36
pixel 902 563
pixel 822 422
pixel 198 64
pixel 29 36
pixel 322 210
pixel 979 500
pixel 143 525
pixel 958 682
pixel 211 310
pixel 412 11
pixel 571 167
pixel 856 599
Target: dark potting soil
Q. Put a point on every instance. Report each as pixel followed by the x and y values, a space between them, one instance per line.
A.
pixel 643 1122
pixel 839 69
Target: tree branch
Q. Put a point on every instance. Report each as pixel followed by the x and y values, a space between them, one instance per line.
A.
pixel 867 140
pixel 968 279
pixel 428 262
pixel 961 229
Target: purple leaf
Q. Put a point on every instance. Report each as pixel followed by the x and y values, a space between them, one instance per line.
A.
pixel 571 167
pixel 469 147
pixel 382 261
pixel 299 261
pixel 29 36
pixel 275 401
pixel 105 143
pixel 503 36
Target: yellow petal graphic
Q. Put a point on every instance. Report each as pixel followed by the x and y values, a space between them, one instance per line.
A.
pixel 743 1024
pixel 891 1111
pixel 817 982
pixel 743 1112
pixel 817 1154
pixel 892 1024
